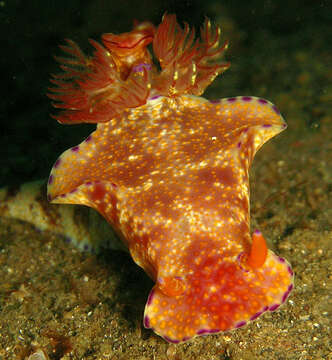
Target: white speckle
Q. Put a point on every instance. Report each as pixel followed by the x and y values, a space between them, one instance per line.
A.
pixel 132 157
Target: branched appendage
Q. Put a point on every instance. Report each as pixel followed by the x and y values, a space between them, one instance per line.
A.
pixel 95 89
pixel 121 75
pixel 129 49
pixel 187 66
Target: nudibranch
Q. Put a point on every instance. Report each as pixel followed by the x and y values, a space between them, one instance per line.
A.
pixel 169 171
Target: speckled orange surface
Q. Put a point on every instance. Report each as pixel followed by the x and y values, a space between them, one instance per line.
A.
pixel 78 306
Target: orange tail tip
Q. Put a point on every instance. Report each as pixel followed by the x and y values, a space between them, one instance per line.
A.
pixel 258 251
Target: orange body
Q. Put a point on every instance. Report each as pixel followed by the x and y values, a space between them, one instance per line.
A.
pixel 169 171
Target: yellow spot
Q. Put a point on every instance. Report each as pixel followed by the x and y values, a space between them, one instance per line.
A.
pixel 163 324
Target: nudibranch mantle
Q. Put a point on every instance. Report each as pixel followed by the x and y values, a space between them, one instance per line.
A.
pixel 170 174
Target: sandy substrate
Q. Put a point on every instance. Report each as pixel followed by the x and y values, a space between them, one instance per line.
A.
pixel 75 305
pixel 78 306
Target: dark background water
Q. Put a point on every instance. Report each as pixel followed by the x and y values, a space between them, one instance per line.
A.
pixel 280 50
pixel 32 30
